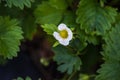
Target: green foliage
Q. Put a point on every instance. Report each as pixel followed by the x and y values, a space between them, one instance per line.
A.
pixel 59 4
pixel 69 19
pixel 10 36
pixel 3 61
pixel 95 25
pixel 110 69
pixel 84 77
pixel 78 44
pixel 19 3
pixel 84 37
pixel 111 49
pixel 29 27
pixel 67 61
pixel 47 14
pixel 49 28
pixel 20 78
pixel 94 18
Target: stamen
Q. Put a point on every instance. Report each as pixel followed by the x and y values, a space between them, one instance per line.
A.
pixel 64 34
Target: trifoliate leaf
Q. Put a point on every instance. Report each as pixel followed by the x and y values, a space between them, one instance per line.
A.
pixel 10 36
pixel 19 3
pixel 94 18
pixel 49 28
pixel 66 60
pixel 46 14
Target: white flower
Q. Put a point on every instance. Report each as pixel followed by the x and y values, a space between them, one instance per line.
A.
pixel 64 35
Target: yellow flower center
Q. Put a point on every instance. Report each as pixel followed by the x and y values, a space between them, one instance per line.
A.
pixel 64 34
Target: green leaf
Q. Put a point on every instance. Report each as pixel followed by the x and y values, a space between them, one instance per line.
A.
pixel 69 19
pixel 13 12
pixel 49 28
pixel 28 78
pixel 58 4
pixel 3 61
pixel 84 77
pixel 112 46
pixel 94 18
pixel 84 37
pixel 10 36
pixel 29 27
pixel 46 14
pixel 66 60
pixel 109 71
pixel 19 3
pixel 78 45
pixel 19 78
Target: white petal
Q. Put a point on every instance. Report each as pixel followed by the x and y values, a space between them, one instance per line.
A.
pixel 64 42
pixel 62 26
pixel 70 34
pixel 57 36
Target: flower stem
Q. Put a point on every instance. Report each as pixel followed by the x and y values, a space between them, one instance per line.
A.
pixel 71 76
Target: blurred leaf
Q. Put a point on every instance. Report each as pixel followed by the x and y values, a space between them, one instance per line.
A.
pixel 69 19
pixel 10 36
pixel 90 57
pixel 78 45
pixel 19 3
pixel 112 46
pixel 44 61
pixel 28 78
pixel 46 14
pixel 84 77
pixel 69 2
pixel 49 28
pixel 94 18
pixel 3 61
pixel 84 37
pixel 13 12
pixel 19 78
pixel 58 4
pixel 66 60
pixel 110 69
pixel 29 27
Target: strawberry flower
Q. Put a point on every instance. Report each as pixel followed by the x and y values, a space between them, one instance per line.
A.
pixel 64 34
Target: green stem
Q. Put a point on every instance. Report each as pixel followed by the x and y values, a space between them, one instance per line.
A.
pixel 71 76
pixel 101 3
pixel 77 53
